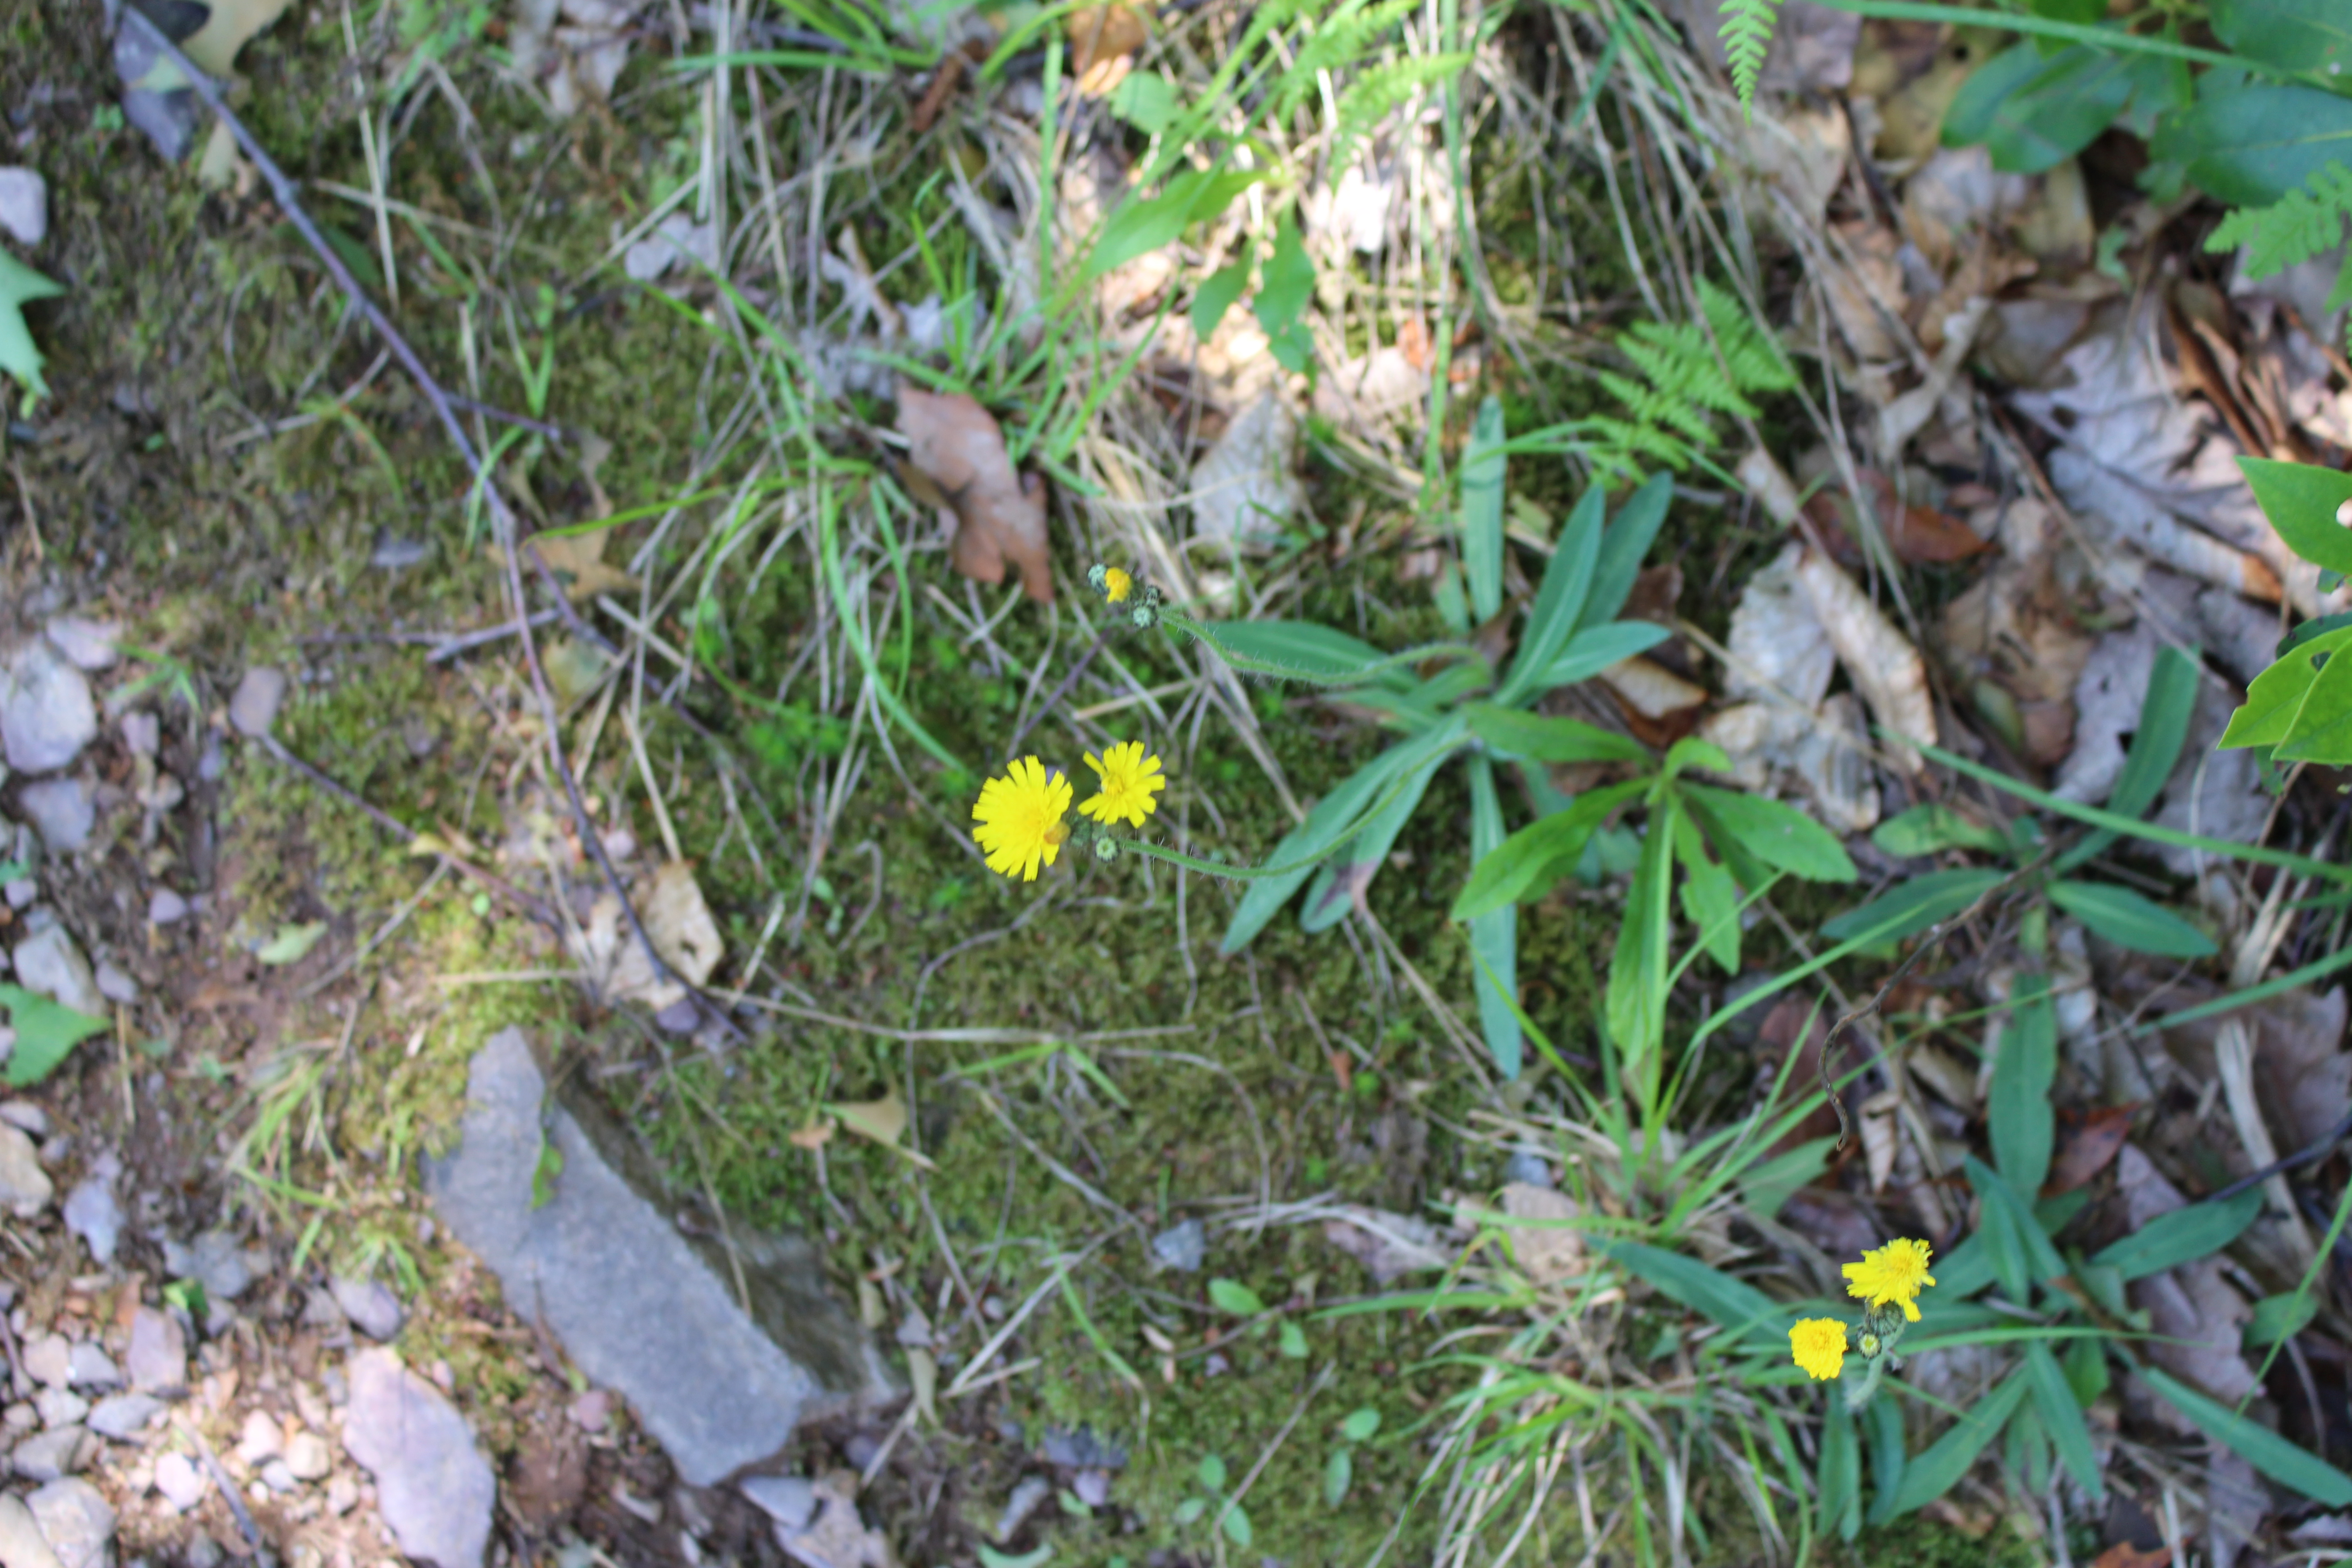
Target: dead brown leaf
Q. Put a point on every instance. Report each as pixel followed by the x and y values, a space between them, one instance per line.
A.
pixel 836 1537
pixel 959 447
pixel 1545 1244
pixel 812 1137
pixel 578 561
pixel 1919 535
pixel 1101 40
pixel 2088 1142
pixel 683 933
pixel 1879 659
pixel 2124 1555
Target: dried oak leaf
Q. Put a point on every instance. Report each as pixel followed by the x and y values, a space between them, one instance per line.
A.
pixel 2088 1143
pixel 958 447
pixel 1919 535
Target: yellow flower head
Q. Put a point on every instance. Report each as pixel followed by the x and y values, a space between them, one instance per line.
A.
pixel 1818 1345
pixel 1130 780
pixel 1891 1275
pixel 1019 817
pixel 1117 585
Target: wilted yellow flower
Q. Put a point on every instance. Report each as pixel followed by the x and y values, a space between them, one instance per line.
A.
pixel 1891 1275
pixel 1019 817
pixel 1818 1345
pixel 1130 780
pixel 1117 585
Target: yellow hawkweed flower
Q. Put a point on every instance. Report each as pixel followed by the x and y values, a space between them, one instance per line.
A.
pixel 1818 1345
pixel 1891 1275
pixel 1117 585
pixel 1130 780
pixel 1019 817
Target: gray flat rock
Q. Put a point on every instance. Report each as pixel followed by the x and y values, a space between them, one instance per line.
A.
pixel 642 1309
pixel 123 1416
pixel 114 984
pixel 46 716
pixel 63 810
pixel 790 1501
pixel 370 1304
pixel 48 1360
pixel 183 1485
pixel 91 1367
pixel 75 1520
pixel 93 1213
pixel 22 1545
pixel 51 1454
pixel 432 1485
pixel 142 732
pixel 215 1260
pixel 87 644
pixel 25 1187
pixel 157 1355
pixel 254 706
pixel 23 206
pixel 167 908
pixel 50 962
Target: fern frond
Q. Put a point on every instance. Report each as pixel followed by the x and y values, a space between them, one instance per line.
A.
pixel 1370 97
pixel 1337 41
pixel 1755 357
pixel 1679 363
pixel 1654 407
pixel 1746 35
pixel 2294 228
pixel 1684 376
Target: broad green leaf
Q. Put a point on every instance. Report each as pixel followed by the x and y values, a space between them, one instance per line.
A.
pixel 2185 1235
pixel 1361 1424
pixel 1911 907
pixel 1494 934
pixel 46 1033
pixel 1594 649
pixel 2062 1417
pixel 2291 1467
pixel 2281 1317
pixel 1333 817
pixel 1217 294
pixel 2321 729
pixel 1689 752
pixel 2293 34
pixel 1756 1321
pixel 1546 848
pixel 2129 920
pixel 991 1558
pixel 19 356
pixel 1933 828
pixel 1567 584
pixel 2276 699
pixel 2086 1371
pixel 291 943
pixel 1339 1475
pixel 1237 1525
pixel 1334 889
pixel 2249 143
pixel 1210 1473
pixel 2017 1108
pixel 1283 287
pixel 1710 900
pixel 1936 1471
pixel 1233 1295
pixel 1190 1508
pixel 1514 733
pixel 1635 1002
pixel 1840 1479
pixel 1775 832
pixel 2033 113
pixel 1139 227
pixel 1482 511
pixel 1292 1342
pixel 1623 547
pixel 1316 652
pixel 2300 500
pixel 1147 100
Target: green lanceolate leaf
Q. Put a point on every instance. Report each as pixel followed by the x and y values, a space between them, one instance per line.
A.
pixel 1482 511
pixel 1636 997
pixel 1883 1422
pixel 1217 294
pixel 1933 828
pixel 2283 1462
pixel 1233 1295
pixel 2128 920
pixel 1539 853
pixel 2155 746
pixel 1516 733
pixel 1139 227
pixel 1710 899
pixel 1773 832
pixel 1840 1474
pixel 1911 907
pixel 2062 1417
pixel 2018 1107
pixel 1494 934
pixel 1343 879
pixel 45 1034
pixel 1567 582
pixel 1623 547
pixel 2021 1250
pixel 1934 1472
pixel 2183 1235
pixel 2033 113
pixel 1284 287
pixel 1594 649
pixel 1755 1319
pixel 1333 819
pixel 1310 650
pixel 2275 701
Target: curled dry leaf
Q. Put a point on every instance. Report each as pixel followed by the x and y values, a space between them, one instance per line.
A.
pixel 1879 659
pixel 683 933
pixel 834 1536
pixel 957 446
pixel 2197 1318
pixel 578 561
pixel 1876 1123
pixel 1388 1245
pixel 1543 1242
pixel 2088 1142
pixel 1103 40
pixel 1919 535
